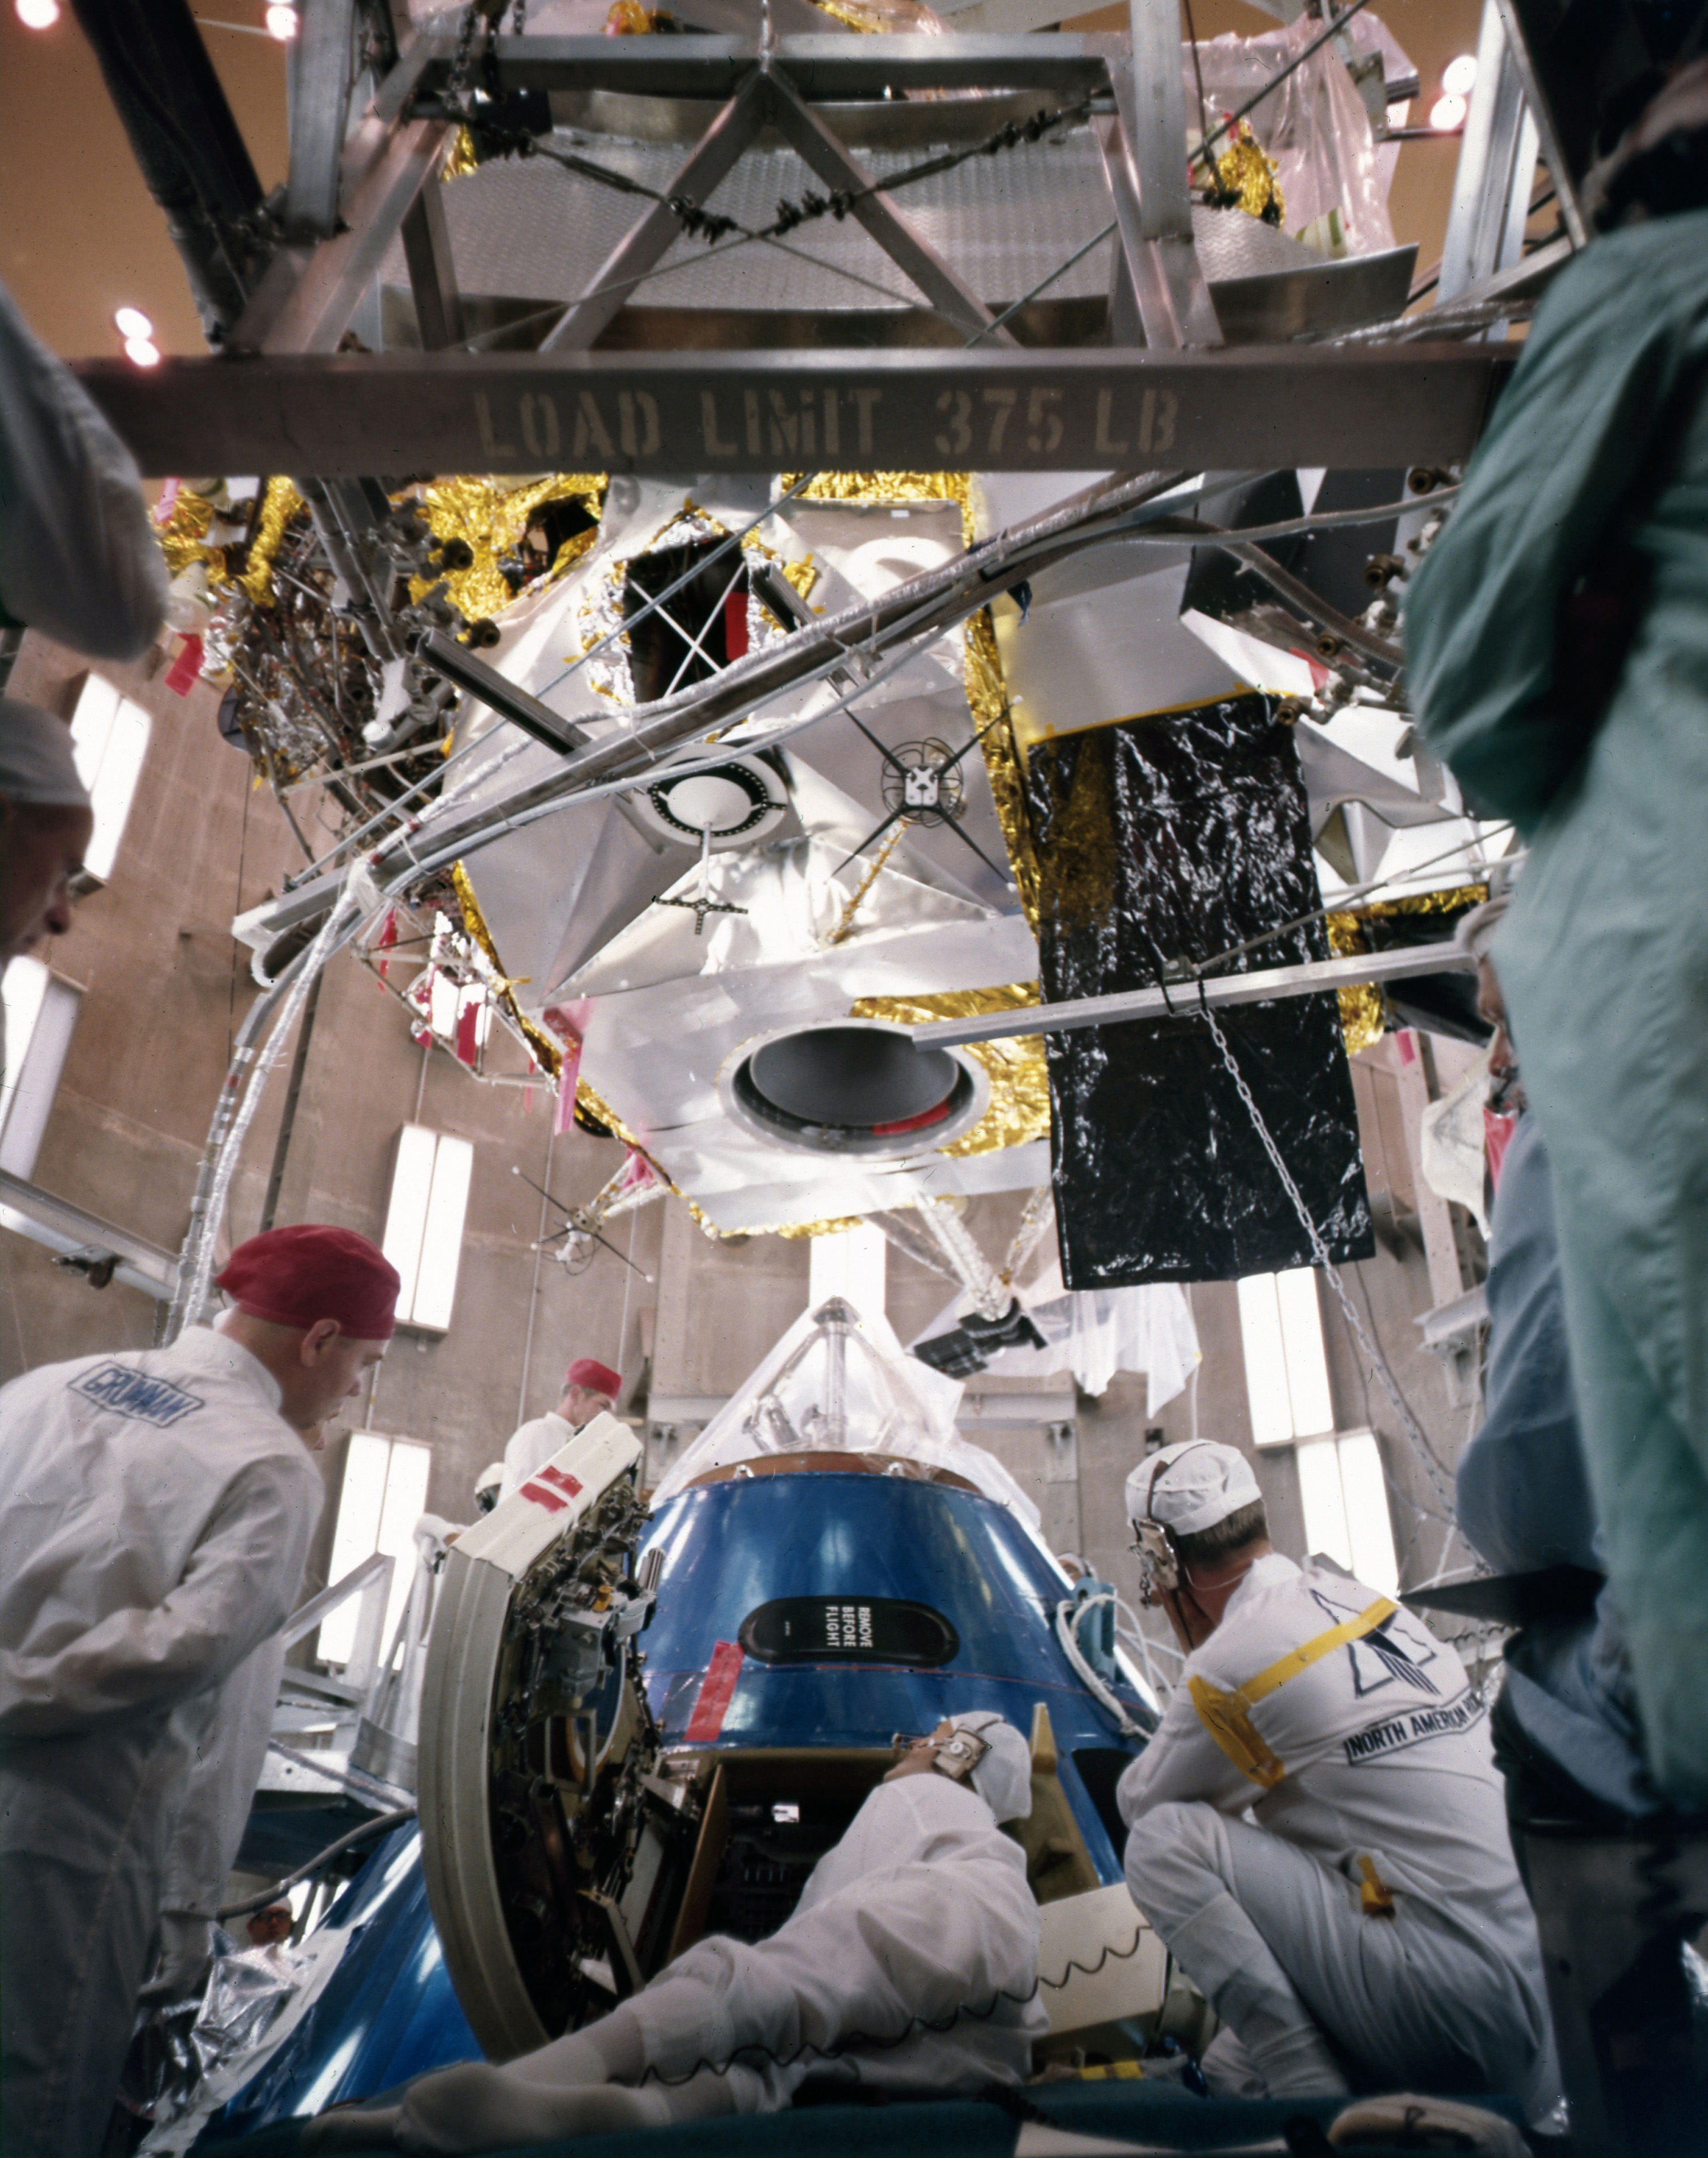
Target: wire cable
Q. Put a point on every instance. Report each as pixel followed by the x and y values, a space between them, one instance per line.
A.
pixel 382 1824
pixel 1379 1364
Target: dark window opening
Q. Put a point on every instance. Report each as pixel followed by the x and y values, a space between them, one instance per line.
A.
pixel 698 631
pixel 847 1629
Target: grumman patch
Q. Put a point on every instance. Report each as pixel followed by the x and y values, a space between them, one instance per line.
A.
pixel 131 1393
pixel 1401 1731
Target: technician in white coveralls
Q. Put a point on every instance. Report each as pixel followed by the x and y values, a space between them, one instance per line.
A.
pixel 589 1388
pixel 156 1508
pixel 918 1929
pixel 1367 1929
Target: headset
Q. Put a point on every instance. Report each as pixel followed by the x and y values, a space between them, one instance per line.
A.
pixel 1159 1553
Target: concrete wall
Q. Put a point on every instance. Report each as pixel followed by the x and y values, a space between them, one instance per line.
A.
pixel 166 985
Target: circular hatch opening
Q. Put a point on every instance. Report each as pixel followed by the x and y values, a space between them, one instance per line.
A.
pixel 853 1086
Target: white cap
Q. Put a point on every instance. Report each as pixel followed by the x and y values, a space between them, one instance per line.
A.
pixel 493 1472
pixel 36 763
pixel 1191 1487
pixel 1004 1777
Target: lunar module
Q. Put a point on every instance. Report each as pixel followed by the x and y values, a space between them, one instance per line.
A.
pixel 645 1720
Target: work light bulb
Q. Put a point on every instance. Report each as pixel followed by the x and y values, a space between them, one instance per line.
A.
pixel 1446 114
pixel 141 352
pixel 38 14
pixel 282 22
pixel 131 322
pixel 1459 76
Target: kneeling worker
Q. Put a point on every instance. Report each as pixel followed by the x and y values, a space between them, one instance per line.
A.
pixel 910 1964
pixel 1367 1930
pixel 589 1386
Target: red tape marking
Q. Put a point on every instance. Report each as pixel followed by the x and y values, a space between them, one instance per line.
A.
pixel 717 1690
pixel 541 1497
pixel 562 1478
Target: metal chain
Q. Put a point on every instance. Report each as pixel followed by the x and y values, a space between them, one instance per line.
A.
pixel 457 81
pixel 1433 1468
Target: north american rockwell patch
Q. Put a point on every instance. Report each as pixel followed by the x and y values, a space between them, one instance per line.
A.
pixel 1412 1729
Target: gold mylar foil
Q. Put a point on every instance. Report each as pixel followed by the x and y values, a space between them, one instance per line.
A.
pixel 1020 1083
pixel 1247 174
pixel 1362 1016
pixel 279 505
pixel 494 517
pixel 183 540
pixel 461 157
pixel 183 535
pixel 1460 897
pixel 870 489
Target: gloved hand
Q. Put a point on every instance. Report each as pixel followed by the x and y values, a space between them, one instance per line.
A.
pixel 350 2128
pixel 476 2108
pixel 186 1957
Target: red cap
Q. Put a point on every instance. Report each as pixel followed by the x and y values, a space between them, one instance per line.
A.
pixel 296 1276
pixel 598 1378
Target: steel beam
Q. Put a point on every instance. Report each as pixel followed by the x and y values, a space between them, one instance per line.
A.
pixel 320 59
pixel 1083 410
pixel 75 1234
pixel 307 298
pixel 1182 999
pixel 650 240
pixel 1566 181
pixel 1491 180
pixel 818 147
pixel 832 66
pixel 432 271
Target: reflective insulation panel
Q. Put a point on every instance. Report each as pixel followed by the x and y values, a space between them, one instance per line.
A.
pixel 1172 838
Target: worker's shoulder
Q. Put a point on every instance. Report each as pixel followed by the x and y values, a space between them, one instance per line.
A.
pixel 1642 276
pixel 208 1392
pixel 550 1426
pixel 1281 1608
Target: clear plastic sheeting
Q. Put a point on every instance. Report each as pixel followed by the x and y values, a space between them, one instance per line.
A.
pixel 1314 127
pixel 1096 1332
pixel 181 2043
pixel 838 1383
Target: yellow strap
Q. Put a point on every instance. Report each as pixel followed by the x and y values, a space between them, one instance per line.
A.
pixel 1226 1715
pixel 1376 1899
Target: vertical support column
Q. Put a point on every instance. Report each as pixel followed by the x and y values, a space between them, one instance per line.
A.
pixel 1061 1525
pixel 1159 120
pixel 319 80
pixel 432 269
pixel 1497 158
pixel 1144 156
